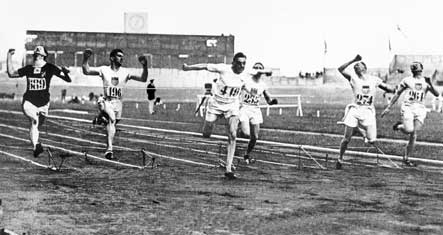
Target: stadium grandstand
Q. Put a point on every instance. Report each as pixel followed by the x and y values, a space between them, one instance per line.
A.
pixel 162 50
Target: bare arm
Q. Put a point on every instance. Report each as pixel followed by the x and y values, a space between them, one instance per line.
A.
pixel 393 100
pixel 85 65
pixel 387 88
pixel 343 67
pixel 64 74
pixel 267 72
pixel 12 73
pixel 268 98
pixel 195 67
pixel 431 87
pixel 144 77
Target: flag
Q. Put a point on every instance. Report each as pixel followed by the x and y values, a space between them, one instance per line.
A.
pixel 401 31
pixel 326 46
pixel 389 45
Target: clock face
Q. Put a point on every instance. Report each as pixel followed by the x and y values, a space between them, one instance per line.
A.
pixel 136 22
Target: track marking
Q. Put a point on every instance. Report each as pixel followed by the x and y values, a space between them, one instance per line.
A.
pixel 70 111
pixel 185 148
pixel 306 147
pixel 386 140
pixel 28 160
pixel 72 151
pixel 396 141
pixel 102 144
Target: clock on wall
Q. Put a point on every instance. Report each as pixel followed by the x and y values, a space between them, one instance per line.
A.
pixel 136 22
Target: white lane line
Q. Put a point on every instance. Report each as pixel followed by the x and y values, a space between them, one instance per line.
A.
pixel 70 111
pixel 180 147
pixel 70 151
pixel 28 160
pixel 385 140
pixel 102 144
pixel 184 148
pixel 306 147
pixel 296 146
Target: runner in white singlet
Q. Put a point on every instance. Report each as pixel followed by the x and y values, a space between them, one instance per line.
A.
pixel 361 113
pixel 250 114
pixel 114 79
pixel 413 110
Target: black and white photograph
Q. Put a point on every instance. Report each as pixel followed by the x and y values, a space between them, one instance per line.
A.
pixel 228 117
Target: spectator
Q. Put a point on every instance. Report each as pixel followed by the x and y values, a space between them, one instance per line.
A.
pixel 63 95
pixel 150 90
pixel 91 96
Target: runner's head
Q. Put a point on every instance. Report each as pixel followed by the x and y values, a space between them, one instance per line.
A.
pixel 40 53
pixel 416 68
pixel 360 68
pixel 258 66
pixel 238 63
pixel 116 57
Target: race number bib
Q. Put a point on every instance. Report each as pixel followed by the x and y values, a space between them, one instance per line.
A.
pixel 37 84
pixel 115 92
pixel 250 99
pixel 364 99
pixel 417 96
pixel 229 91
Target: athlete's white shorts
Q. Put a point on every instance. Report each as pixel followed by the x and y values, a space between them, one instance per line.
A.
pixel 251 114
pixel 216 109
pixel 113 107
pixel 362 116
pixel 32 111
pixel 411 112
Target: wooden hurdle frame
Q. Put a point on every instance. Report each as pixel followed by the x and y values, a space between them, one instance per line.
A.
pixel 299 111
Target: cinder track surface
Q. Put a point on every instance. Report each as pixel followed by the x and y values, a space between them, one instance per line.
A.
pixel 186 194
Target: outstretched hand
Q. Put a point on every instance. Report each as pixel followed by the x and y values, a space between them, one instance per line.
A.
pixel 357 58
pixel 65 70
pixel 87 53
pixel 143 61
pixel 11 51
pixel 273 101
pixel 428 80
pixel 185 67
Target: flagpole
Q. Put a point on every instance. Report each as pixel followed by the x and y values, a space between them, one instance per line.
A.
pixel 324 58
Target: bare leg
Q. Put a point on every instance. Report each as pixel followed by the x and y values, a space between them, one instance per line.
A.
pixel 232 135
pixel 412 139
pixel 33 132
pixel 346 139
pixel 208 127
pixel 255 129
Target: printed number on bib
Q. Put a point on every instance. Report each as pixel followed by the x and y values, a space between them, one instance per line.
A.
pixel 251 99
pixel 364 99
pixel 416 96
pixel 37 84
pixel 115 92
pixel 229 91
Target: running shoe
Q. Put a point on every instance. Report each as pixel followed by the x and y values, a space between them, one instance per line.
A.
pixel 338 164
pixel 248 159
pixel 406 162
pixel 230 176
pixel 38 150
pixel 395 126
pixel 109 155
pixel 222 164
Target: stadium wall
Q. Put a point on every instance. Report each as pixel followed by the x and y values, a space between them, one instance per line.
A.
pixel 432 64
pixel 162 50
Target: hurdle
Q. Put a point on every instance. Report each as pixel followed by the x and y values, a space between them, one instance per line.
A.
pixel 299 111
